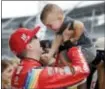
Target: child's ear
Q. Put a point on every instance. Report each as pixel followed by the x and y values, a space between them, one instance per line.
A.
pixel 60 17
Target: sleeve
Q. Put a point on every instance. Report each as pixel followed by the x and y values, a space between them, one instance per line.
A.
pixel 56 77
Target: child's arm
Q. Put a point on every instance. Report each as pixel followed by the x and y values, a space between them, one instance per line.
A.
pixel 55 44
pixel 78 30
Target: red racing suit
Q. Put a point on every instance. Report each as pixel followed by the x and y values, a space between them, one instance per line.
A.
pixel 30 74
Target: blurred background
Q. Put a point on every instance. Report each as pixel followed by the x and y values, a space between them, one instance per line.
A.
pixel 17 14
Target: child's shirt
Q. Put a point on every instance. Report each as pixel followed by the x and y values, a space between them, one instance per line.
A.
pixel 84 39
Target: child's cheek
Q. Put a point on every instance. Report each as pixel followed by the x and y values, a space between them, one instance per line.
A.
pixel 56 27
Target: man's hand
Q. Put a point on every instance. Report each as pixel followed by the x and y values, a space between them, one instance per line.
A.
pixel 46 59
pixel 67 34
pixel 46 56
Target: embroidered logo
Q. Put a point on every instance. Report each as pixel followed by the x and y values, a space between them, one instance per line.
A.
pixel 24 37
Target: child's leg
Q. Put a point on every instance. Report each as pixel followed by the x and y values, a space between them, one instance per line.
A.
pixel 64 58
pixel 89 53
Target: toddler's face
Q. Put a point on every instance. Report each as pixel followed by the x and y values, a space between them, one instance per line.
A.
pixel 53 22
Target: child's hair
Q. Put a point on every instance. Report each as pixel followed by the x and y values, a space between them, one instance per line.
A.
pixel 48 9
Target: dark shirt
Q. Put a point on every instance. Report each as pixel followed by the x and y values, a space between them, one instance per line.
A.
pixel 84 39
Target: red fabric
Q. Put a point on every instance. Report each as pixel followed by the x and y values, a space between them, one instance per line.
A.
pixel 27 64
pixel 60 78
pixel 54 77
pixel 20 38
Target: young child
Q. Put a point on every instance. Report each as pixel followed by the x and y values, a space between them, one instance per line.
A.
pixel 67 31
pixel 6 73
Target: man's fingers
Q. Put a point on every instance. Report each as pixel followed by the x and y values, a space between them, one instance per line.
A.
pixel 44 57
pixel 68 26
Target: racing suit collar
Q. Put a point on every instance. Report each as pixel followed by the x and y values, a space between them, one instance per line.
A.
pixel 31 61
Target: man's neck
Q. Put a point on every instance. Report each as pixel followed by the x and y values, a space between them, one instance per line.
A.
pixel 33 56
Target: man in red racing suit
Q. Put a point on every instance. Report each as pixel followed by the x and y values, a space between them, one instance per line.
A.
pixel 30 74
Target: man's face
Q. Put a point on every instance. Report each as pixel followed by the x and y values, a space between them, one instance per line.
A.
pixel 35 45
pixel 53 22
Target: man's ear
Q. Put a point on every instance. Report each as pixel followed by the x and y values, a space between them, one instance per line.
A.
pixel 28 46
